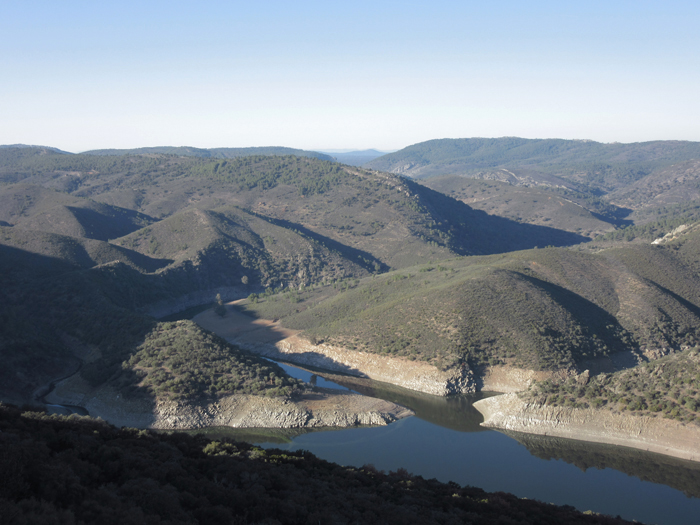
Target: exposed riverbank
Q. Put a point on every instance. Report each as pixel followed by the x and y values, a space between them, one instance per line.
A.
pixel 319 408
pixel 663 436
pixel 270 339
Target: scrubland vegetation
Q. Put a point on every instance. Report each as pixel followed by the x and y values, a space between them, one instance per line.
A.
pixel 544 309
pixel 668 387
pixel 366 260
pixel 181 360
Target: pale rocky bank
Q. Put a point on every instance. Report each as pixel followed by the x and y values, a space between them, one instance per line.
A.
pixel 270 339
pixel 663 436
pixel 320 408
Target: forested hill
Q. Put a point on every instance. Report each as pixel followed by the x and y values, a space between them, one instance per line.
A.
pixel 610 164
pixel 214 153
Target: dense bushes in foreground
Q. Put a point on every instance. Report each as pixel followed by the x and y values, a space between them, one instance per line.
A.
pixel 79 470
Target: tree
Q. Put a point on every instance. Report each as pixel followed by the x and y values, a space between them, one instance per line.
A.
pixel 219 309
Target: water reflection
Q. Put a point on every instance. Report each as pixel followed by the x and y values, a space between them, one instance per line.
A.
pixel 676 473
pixel 453 412
pixel 278 436
pixel 445 441
pixel 66 410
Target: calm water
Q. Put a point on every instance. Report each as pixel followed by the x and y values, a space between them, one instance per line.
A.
pixel 444 441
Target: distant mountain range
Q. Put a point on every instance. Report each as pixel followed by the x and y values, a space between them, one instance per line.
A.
pixel 581 186
pixel 356 157
pixel 588 162
pixel 213 153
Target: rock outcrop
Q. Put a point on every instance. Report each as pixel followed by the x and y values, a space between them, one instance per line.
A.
pixel 663 436
pixel 506 379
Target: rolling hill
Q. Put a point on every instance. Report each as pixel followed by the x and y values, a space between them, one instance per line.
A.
pixel 570 211
pixel 92 242
pixel 366 260
pixel 30 207
pixel 551 309
pixel 622 185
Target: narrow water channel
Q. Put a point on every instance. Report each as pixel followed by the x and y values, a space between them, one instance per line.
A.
pixel 444 441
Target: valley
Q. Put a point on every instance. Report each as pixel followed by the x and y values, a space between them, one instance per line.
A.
pixel 448 268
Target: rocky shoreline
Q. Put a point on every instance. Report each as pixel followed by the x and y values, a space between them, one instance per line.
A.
pixel 663 436
pixel 317 408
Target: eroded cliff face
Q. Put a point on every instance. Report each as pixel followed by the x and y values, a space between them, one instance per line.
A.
pixel 507 379
pixel 663 436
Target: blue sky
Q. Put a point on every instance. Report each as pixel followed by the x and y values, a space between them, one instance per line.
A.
pixel 82 75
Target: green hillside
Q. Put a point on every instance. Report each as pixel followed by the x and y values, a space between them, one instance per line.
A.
pixel 667 387
pixel 601 188
pixel 32 207
pixel 539 309
pixel 81 252
pixel 368 260
pixel 58 317
pixel 559 208
pixel 383 217
pixel 669 185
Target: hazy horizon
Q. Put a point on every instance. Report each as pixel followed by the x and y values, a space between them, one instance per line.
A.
pixel 317 76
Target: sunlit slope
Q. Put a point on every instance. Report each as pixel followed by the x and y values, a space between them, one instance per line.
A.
pixel 390 219
pixel 536 309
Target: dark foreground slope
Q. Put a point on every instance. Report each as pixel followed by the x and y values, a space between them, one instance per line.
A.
pixel 74 471
pixel 58 318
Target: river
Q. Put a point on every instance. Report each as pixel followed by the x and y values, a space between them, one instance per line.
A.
pixel 444 441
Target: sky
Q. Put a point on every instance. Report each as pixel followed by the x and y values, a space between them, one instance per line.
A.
pixel 81 75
